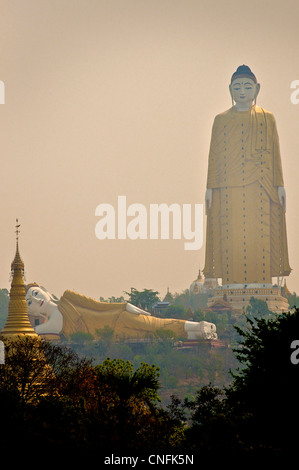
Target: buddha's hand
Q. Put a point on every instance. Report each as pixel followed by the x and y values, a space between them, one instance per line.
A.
pixel 208 199
pixel 282 197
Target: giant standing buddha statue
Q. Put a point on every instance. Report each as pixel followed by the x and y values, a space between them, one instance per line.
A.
pixel 246 241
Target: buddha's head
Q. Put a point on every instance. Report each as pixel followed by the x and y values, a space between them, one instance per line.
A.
pixel 244 87
pixel 37 298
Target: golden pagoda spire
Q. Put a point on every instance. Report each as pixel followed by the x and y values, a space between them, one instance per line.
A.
pixel 17 323
pixel 199 277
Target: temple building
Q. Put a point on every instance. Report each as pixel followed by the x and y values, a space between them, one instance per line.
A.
pixel 197 286
pixel 239 298
pixel 236 299
pixel 17 323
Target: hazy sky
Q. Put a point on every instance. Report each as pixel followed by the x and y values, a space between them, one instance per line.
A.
pixel 117 97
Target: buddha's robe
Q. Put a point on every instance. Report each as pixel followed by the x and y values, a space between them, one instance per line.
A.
pixel 84 314
pixel 246 239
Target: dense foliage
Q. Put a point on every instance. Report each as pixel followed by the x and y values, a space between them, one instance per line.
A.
pixel 52 398
pixel 80 397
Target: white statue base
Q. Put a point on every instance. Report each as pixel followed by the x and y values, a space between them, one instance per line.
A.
pixel 239 295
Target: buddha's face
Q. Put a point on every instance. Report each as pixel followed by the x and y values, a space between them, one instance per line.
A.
pixel 37 299
pixel 244 90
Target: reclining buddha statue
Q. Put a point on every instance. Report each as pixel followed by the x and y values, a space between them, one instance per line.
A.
pixel 74 313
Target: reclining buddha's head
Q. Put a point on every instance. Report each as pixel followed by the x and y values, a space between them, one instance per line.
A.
pixel 37 298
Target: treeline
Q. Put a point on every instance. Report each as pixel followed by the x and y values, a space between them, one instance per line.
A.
pixel 181 369
pixel 52 399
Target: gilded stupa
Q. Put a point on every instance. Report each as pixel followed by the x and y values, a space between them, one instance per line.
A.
pixel 17 323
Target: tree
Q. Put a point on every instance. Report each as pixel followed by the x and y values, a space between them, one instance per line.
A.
pixel 265 389
pixel 54 398
pixel 105 334
pixel 144 299
pixel 258 308
pixel 26 371
pixel 174 311
pixel 46 391
pixel 206 414
pixel 120 377
pixel 256 414
pixel 104 338
pixel 190 299
pixel 113 299
pixel 80 337
pixel 35 368
pixel 4 300
pixel 127 416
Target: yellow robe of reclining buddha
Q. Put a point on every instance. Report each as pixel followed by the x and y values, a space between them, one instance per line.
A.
pixel 86 315
pixel 246 239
